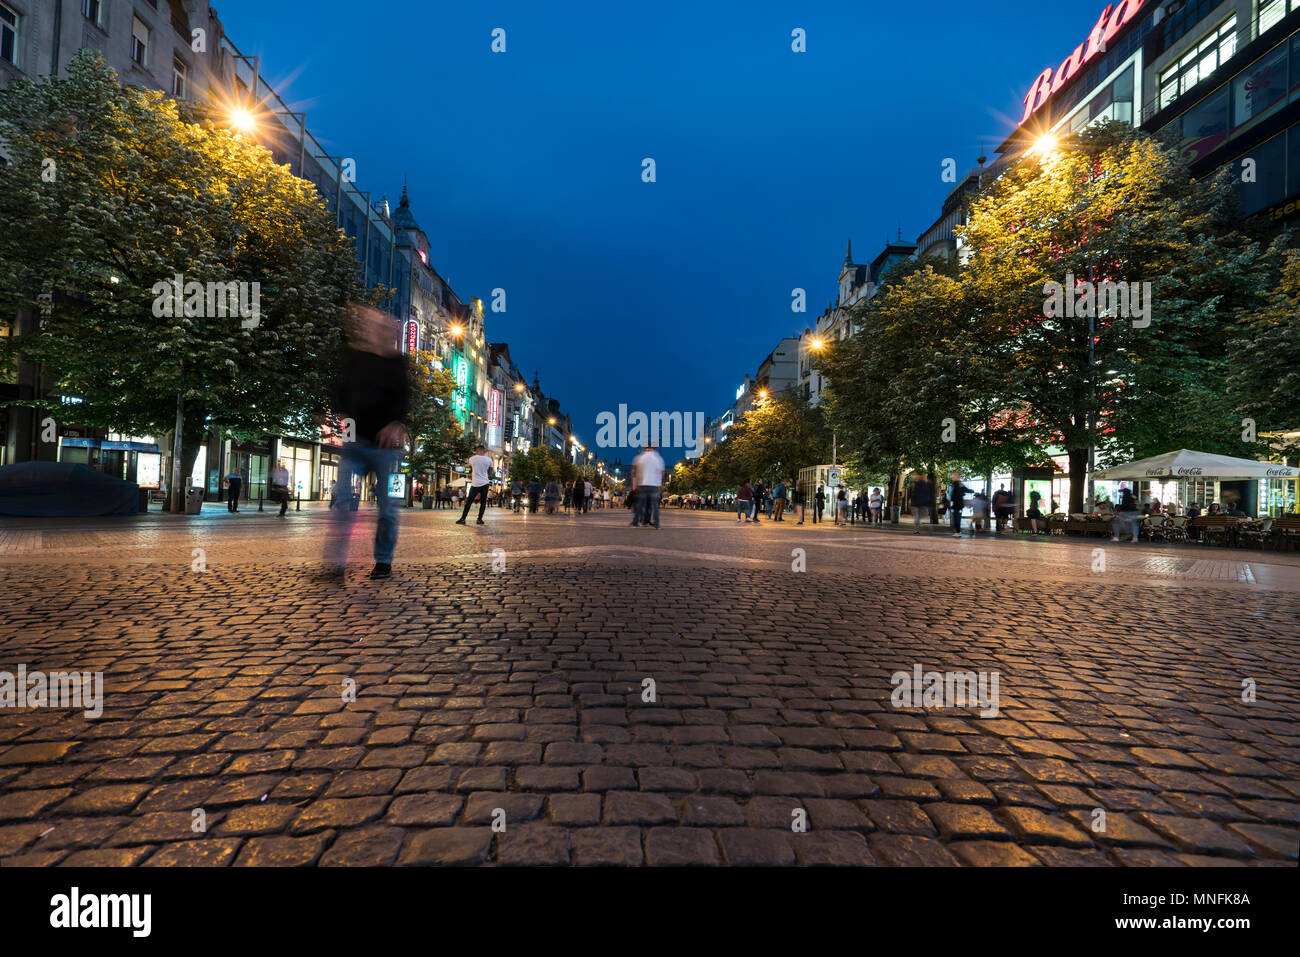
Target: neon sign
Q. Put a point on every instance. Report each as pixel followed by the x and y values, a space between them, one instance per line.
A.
pixel 461 397
pixel 412 335
pixel 1112 20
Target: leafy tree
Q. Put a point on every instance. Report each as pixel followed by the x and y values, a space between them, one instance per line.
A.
pixel 1114 205
pixel 544 462
pixel 1265 381
pixel 437 437
pixel 136 190
pixel 778 436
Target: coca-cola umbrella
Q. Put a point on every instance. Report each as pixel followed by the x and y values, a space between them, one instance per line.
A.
pixel 1188 464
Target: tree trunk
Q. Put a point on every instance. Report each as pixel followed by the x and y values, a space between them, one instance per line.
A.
pixel 1078 476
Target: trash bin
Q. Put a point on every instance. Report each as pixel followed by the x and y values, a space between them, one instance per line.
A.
pixel 894 512
pixel 144 500
pixel 194 501
pixel 428 501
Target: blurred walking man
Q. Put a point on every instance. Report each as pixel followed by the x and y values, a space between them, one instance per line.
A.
pixel 647 479
pixel 373 393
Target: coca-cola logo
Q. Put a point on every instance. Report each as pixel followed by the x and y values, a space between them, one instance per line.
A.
pixel 1283 472
pixel 1112 20
pixel 1189 470
pixel 1155 473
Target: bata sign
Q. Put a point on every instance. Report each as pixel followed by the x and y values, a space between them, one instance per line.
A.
pixel 1111 21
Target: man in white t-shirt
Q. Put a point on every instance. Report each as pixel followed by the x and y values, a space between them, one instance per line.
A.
pixel 647 479
pixel 480 471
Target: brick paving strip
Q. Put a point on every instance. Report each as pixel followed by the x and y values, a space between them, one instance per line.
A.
pixel 518 697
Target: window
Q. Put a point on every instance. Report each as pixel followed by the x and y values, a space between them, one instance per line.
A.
pixel 1259 89
pixel 93 10
pixel 1182 21
pixel 139 41
pixel 1199 62
pixel 8 35
pixel 180 78
pixel 1269 185
pixel 1271 11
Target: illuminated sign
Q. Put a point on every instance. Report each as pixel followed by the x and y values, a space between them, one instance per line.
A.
pixel 460 399
pixel 1112 20
pixel 494 416
pixel 412 335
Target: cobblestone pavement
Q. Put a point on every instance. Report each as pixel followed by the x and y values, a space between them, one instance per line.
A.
pixel 519 697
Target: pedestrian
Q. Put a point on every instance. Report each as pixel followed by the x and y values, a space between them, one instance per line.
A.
pixel 744 502
pixel 1001 508
pixel 234 482
pixel 956 502
pixel 553 496
pixel 979 517
pixel 578 493
pixel 758 490
pixel 876 502
pixel 819 504
pixel 842 507
pixel 534 490
pixel 589 492
pixel 480 471
pixel 647 479
pixel 800 500
pixel 1128 514
pixel 372 390
pixel 280 485
pixel 922 502
pixel 780 494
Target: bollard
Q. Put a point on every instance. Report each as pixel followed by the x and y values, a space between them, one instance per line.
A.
pixel 298 505
pixel 259 501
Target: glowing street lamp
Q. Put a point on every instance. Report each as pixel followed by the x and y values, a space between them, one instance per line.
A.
pixel 458 331
pixel 243 120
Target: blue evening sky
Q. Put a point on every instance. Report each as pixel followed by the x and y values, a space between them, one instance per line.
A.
pixel 525 167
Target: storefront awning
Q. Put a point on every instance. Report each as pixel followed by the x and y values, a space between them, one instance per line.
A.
pixel 1188 464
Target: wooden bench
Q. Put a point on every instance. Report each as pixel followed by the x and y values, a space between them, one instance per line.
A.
pixel 1214 529
pixel 1285 531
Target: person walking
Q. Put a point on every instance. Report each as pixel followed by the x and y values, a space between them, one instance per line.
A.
pixel 534 489
pixel 589 494
pixel 979 514
pixel 956 502
pixel 516 494
pixel 578 494
pixel 800 500
pixel 876 502
pixel 647 478
pixel 819 504
pixel 1001 504
pixel 757 490
pixel 280 486
pixel 779 495
pixel 234 482
pixel 480 471
pixel 373 391
pixel 1128 514
pixel 554 495
pixel 842 507
pixel 744 502
pixel 922 502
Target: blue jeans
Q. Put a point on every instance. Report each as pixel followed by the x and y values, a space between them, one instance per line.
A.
pixel 742 508
pixel 647 510
pixel 361 458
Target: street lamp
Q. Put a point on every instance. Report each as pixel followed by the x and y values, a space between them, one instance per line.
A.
pixel 243 120
pixel 458 331
pixel 519 387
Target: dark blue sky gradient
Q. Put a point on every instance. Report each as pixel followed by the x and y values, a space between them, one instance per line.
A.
pixel 525 168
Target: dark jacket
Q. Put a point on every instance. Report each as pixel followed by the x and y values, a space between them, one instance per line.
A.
pixel 922 493
pixel 372 390
pixel 957 494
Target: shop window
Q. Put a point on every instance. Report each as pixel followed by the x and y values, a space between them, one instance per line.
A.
pixel 8 35
pixel 1270 176
pixel 1260 88
pixel 1293 162
pixel 1204 127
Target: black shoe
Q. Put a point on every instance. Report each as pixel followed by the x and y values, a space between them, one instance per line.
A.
pixel 460 521
pixel 480 522
pixel 381 570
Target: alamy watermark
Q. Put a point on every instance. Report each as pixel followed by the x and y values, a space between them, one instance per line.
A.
pixel 59 689
pixel 953 689
pixel 176 297
pixel 1082 299
pixel 660 429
